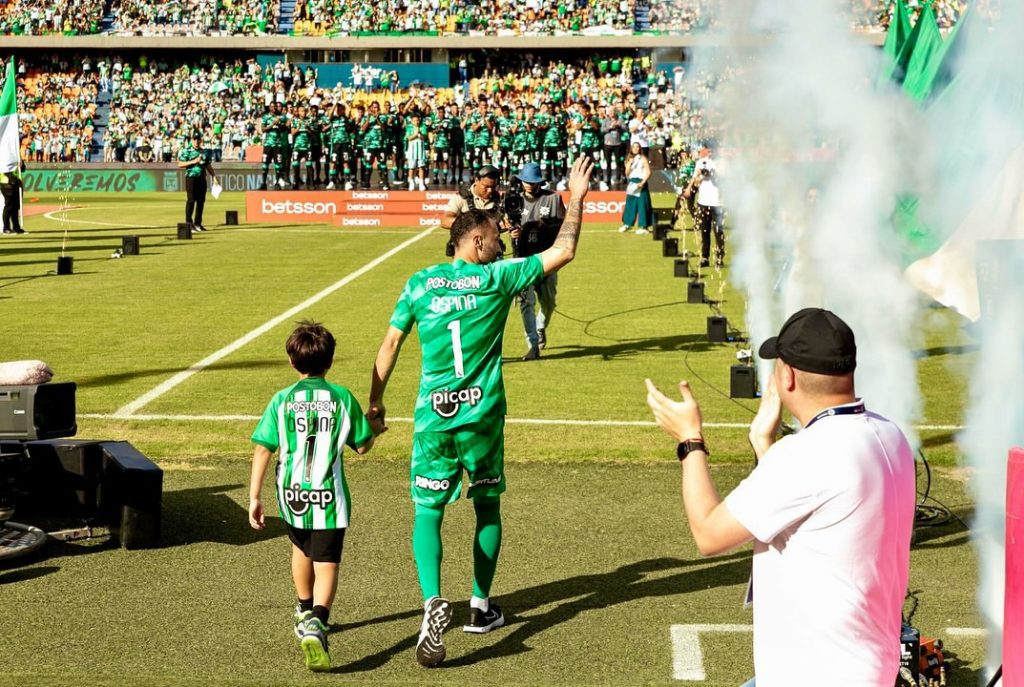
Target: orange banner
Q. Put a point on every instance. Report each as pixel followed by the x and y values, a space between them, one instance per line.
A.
pixel 408 208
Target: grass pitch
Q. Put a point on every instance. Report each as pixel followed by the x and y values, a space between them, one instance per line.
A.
pixel 597 565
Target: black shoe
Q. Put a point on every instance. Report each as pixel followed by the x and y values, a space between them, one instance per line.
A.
pixel 196 227
pixel 200 227
pixel 430 649
pixel 532 354
pixel 481 622
pixel 263 186
pixel 542 339
pixel 705 263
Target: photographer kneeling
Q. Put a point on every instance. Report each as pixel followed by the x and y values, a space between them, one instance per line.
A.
pixel 542 216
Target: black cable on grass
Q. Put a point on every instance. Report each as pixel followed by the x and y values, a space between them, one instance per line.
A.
pixel 932 515
pixel 908 618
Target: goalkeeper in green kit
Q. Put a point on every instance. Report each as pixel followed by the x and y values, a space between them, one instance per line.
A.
pixel 460 309
pixel 310 423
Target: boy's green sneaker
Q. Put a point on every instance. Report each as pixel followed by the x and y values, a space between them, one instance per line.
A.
pixel 300 616
pixel 313 639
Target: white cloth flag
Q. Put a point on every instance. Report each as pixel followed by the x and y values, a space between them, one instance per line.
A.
pixel 9 146
pixel 950 274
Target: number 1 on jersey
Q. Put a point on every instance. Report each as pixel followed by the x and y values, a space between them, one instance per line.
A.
pixel 455 327
pixel 307 474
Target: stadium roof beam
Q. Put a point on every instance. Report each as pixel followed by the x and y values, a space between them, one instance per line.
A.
pixel 459 42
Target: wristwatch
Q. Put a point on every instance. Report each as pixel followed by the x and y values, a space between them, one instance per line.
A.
pixel 684 448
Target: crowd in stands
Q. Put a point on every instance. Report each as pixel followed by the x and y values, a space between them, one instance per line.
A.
pixel 43 17
pixel 56 110
pixel 334 17
pixel 155 104
pixel 191 17
pixel 677 16
pixel 341 17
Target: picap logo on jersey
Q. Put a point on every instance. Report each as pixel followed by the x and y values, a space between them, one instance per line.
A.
pixel 299 500
pixel 446 403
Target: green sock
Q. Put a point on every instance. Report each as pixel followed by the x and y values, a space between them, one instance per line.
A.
pixel 427 548
pixel 486 546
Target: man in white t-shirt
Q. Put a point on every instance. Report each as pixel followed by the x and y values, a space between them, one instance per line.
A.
pixel 830 511
pixel 710 216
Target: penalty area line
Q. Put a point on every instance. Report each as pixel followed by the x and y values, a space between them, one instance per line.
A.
pixel 129 409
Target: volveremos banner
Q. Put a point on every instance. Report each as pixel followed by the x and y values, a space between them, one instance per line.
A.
pixel 84 180
pixel 386 208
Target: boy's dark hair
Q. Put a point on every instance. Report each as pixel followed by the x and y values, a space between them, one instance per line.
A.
pixel 467 222
pixel 311 348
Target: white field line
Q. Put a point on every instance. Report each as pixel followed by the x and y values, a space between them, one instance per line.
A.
pixel 129 409
pixel 60 211
pixel 508 420
pixel 687 657
pixel 967 632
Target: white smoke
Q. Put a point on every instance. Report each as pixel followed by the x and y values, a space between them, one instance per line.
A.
pixel 806 88
pixel 821 156
pixel 980 190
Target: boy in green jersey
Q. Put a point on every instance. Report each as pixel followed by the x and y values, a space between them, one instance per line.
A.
pixel 460 309
pixel 309 424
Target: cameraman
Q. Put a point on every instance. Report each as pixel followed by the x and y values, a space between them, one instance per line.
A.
pixel 482 194
pixel 542 216
pixel 710 213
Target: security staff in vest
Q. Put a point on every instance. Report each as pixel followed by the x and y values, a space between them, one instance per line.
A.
pixel 483 194
pixel 196 164
pixel 10 188
pixel 543 213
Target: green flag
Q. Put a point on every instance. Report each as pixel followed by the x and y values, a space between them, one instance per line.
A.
pixel 899 31
pixel 927 57
pixel 934 71
pixel 9 146
pixel 896 70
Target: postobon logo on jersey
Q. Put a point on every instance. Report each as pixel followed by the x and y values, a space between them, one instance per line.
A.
pixel 432 484
pixel 299 500
pixel 447 403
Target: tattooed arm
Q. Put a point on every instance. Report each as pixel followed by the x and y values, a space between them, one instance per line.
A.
pixel 563 250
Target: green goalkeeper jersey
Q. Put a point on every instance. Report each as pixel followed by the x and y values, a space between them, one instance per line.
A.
pixel 311 422
pixel 460 309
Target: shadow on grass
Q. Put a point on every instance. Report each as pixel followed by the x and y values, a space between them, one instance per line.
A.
pixel 22 574
pixel 208 514
pixel 626 349
pixel 958 672
pixel 570 598
pixel 945 533
pixel 946 350
pixel 106 380
pixel 942 439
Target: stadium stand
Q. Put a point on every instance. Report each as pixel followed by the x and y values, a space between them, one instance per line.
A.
pixel 192 17
pixel 141 109
pixel 405 17
pixel 57 108
pixel 43 17
pixel 431 17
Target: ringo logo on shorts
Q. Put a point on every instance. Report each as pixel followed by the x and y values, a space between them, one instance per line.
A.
pixel 299 500
pixel 446 403
pixel 432 484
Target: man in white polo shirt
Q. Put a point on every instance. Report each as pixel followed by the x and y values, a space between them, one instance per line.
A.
pixel 830 511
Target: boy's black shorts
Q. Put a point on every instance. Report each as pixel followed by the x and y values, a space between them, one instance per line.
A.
pixel 323 546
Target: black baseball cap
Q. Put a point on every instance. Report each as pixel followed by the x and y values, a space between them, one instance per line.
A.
pixel 814 340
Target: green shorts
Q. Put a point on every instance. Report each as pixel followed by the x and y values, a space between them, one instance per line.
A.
pixel 438 459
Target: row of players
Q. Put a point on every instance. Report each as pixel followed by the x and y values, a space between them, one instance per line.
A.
pixel 341 147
